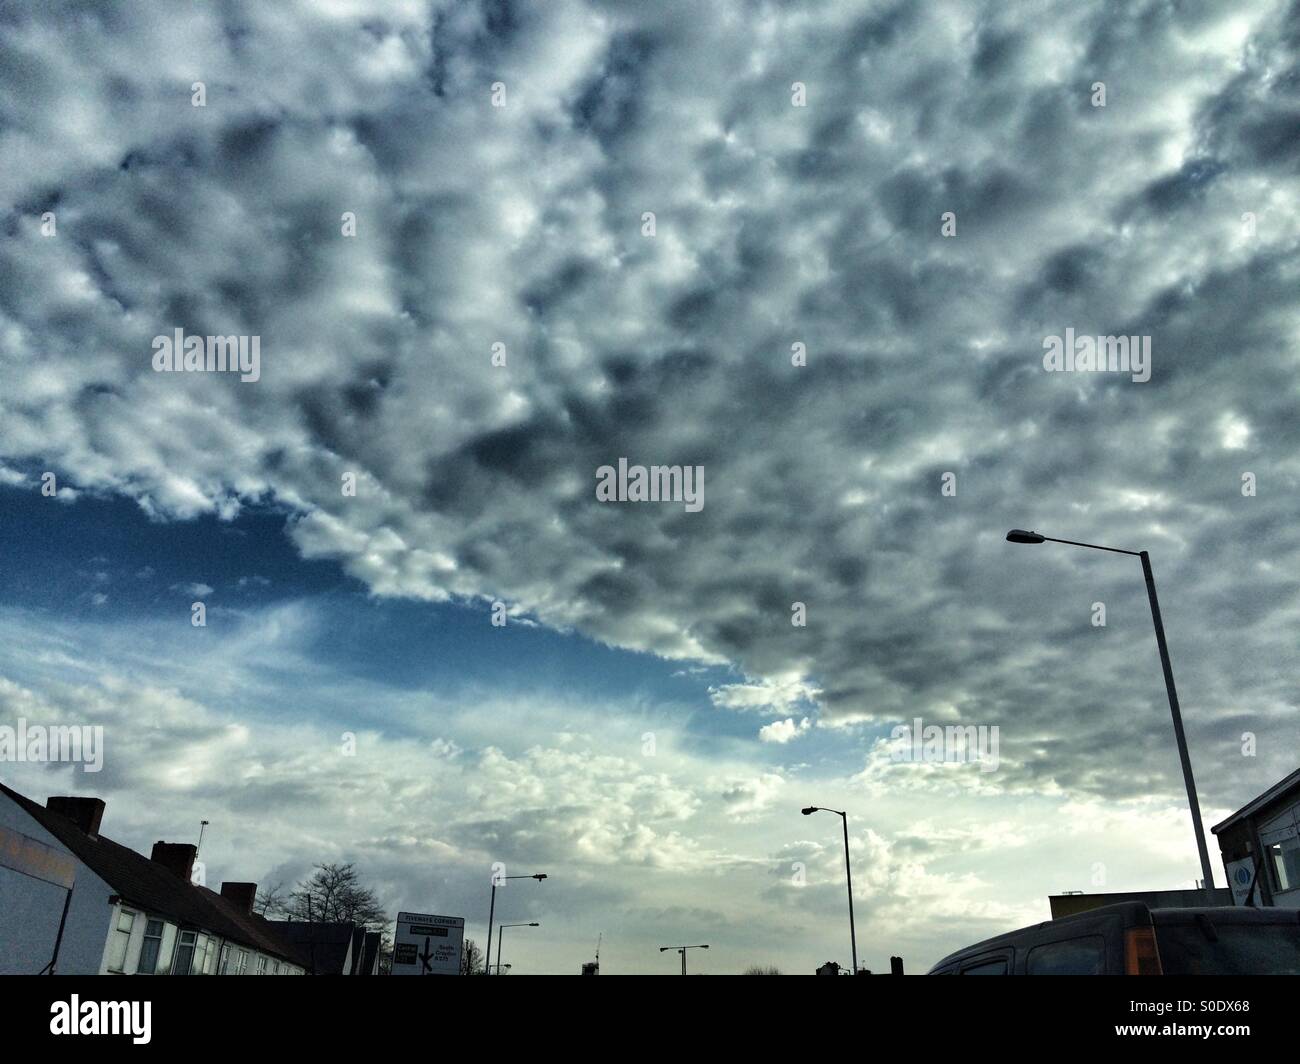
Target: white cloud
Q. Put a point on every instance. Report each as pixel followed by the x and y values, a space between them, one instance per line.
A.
pixel 783 731
pixel 774 695
pixel 195 590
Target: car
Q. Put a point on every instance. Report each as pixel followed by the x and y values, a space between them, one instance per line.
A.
pixel 1130 938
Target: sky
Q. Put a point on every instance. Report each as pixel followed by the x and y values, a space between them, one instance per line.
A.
pixel 814 250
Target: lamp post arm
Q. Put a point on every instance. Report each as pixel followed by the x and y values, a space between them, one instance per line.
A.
pixel 1094 546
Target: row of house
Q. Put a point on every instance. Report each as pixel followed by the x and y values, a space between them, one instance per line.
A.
pixel 73 902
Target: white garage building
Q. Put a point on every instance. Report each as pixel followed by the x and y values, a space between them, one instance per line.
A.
pixel 1260 844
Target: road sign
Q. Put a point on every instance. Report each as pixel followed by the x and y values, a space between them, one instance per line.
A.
pixel 428 945
pixel 1242 880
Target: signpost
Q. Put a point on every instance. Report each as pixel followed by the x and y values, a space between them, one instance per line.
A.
pixel 428 945
pixel 1242 879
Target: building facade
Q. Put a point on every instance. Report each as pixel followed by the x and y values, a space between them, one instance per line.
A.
pixel 1260 845
pixel 1074 902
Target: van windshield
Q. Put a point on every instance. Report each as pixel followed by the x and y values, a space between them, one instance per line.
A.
pixel 1241 949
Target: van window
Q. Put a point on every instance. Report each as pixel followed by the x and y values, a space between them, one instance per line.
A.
pixel 997 966
pixel 1074 956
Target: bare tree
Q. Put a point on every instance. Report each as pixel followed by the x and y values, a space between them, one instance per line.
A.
pixel 762 969
pixel 272 902
pixel 333 894
pixel 471 959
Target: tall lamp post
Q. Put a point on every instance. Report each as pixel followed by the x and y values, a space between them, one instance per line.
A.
pixel 682 950
pixel 501 928
pixel 496 880
pixel 1020 535
pixel 848 871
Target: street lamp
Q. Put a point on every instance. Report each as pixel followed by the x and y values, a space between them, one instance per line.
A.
pixel 682 950
pixel 501 928
pixel 848 871
pixel 1020 535
pixel 487 961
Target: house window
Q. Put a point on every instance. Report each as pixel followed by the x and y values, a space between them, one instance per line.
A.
pixel 184 953
pixel 241 961
pixel 153 932
pixel 1284 856
pixel 121 939
pixel 261 965
pixel 223 968
pixel 202 955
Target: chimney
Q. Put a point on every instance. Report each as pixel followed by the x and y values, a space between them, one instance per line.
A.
pixel 240 895
pixel 86 813
pixel 176 857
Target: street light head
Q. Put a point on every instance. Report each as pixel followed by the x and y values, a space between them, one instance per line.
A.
pixel 534 925
pixel 808 810
pixel 1019 535
pixel 540 876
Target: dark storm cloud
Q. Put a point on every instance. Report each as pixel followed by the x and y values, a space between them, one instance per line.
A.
pixel 775 224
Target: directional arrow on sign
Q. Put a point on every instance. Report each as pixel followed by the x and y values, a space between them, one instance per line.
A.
pixel 426 957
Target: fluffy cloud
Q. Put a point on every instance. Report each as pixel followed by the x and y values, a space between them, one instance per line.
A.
pixel 783 731
pixel 776 224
